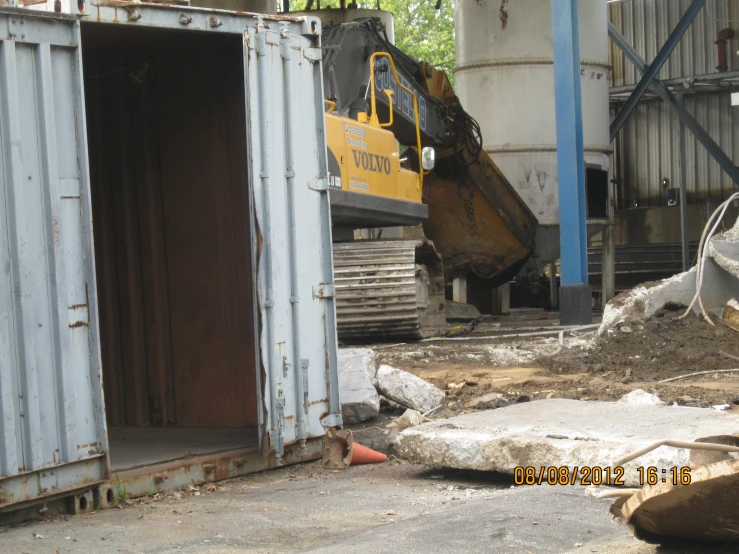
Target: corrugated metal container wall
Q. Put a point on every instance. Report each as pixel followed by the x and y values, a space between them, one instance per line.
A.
pixel 287 150
pixel 51 399
pixel 50 380
pixel 649 161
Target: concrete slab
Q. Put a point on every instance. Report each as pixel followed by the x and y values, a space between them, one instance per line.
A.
pixel 555 433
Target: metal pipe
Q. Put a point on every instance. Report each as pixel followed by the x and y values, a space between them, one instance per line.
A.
pixel 553 288
pixel 276 438
pixel 685 83
pixel 653 70
pixel 290 137
pixel 675 444
pixel 685 117
pixel 685 246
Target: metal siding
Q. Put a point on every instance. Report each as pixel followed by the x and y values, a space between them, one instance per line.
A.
pixel 651 136
pixel 50 382
pixel 647 24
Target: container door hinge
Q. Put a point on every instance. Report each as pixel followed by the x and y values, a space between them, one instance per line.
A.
pixel 320 184
pixel 280 407
pixel 304 364
pixel 261 40
pixel 312 54
pixel 285 368
pixel 285 47
pixel 324 290
pixel 332 420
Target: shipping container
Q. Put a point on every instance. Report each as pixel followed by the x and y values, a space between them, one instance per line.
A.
pixel 166 305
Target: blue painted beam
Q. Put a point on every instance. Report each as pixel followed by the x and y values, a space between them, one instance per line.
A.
pixel 653 70
pixel 570 155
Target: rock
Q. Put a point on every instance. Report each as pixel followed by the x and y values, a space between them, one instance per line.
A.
pixel 407 389
pixel 685 400
pixel 359 358
pixel 735 401
pixel 390 405
pixel 720 285
pixel 359 399
pixel 559 432
pixel 486 402
pixel 721 407
pixel 523 398
pixel 641 397
pixel 626 329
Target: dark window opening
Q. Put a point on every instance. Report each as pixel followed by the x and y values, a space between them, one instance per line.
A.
pixel 596 193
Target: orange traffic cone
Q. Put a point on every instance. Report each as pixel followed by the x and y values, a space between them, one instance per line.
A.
pixel 363 455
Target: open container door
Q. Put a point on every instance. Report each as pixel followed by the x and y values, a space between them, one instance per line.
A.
pixel 292 234
pixel 52 424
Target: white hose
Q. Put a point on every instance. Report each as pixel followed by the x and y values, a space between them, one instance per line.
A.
pixel 702 254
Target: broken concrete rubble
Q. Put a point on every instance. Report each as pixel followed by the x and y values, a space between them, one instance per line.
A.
pixel 407 389
pixel 641 397
pixel 491 400
pixel 557 433
pixel 359 358
pixel 359 399
pixel 720 284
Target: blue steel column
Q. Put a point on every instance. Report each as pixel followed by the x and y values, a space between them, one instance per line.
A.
pixel 575 294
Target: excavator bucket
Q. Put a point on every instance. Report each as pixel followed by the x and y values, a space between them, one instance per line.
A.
pixel 477 221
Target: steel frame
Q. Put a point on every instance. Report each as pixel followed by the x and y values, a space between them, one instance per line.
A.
pixel 650 72
pixel 671 100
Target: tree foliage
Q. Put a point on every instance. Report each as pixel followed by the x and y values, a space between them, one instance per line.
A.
pixel 421 31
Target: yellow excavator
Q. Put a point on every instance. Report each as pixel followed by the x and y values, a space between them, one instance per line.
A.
pixel 403 152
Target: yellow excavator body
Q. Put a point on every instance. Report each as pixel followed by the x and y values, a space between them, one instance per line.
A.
pixel 473 219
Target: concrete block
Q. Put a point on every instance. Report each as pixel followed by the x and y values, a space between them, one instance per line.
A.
pixel 644 300
pixel 407 389
pixel 640 397
pixel 359 358
pixel 559 432
pixel 720 284
pixel 359 399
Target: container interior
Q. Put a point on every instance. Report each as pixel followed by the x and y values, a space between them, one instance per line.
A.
pixel 167 148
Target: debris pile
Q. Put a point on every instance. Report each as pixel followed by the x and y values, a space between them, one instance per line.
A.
pixel 362 385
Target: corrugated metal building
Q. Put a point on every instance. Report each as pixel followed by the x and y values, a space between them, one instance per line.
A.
pixel 647 152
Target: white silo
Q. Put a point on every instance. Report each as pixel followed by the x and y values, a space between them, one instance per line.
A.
pixel 505 80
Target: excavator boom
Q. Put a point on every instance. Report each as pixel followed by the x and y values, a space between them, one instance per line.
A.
pixel 476 220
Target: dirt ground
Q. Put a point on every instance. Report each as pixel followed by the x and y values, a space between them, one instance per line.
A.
pixel 586 367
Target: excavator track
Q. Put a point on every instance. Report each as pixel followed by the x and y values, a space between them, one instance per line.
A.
pixel 388 288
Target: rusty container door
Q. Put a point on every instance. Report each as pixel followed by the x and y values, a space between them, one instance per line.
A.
pixel 292 232
pixel 52 424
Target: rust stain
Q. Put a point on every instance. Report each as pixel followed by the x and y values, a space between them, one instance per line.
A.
pixel 77 324
pixel 503 14
pixel 77 306
pixel 56 231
